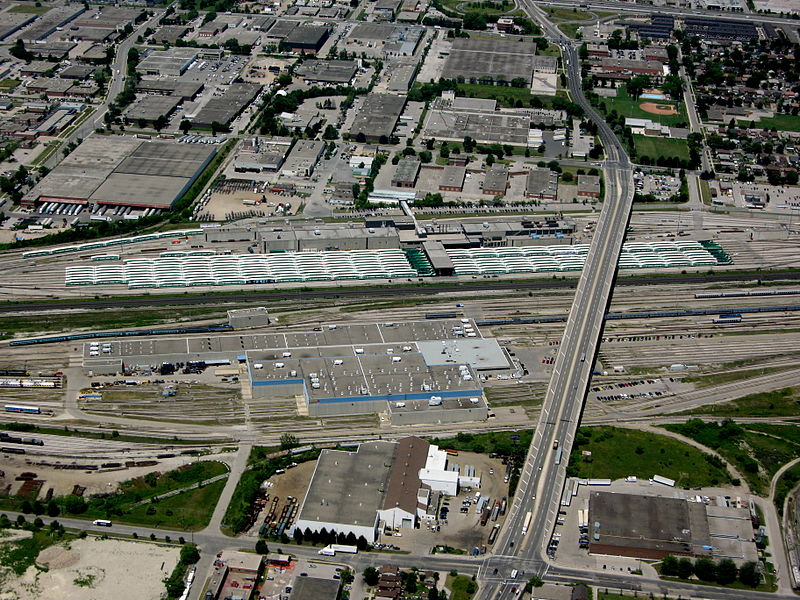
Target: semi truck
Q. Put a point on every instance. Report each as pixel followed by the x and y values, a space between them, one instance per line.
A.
pixel 527 522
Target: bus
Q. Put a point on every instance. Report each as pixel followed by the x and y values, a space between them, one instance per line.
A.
pixel 18 408
pixel 102 523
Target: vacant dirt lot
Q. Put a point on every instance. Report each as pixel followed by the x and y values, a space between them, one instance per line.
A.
pixel 93 569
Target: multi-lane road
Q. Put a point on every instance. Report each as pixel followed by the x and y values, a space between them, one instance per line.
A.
pixel 544 473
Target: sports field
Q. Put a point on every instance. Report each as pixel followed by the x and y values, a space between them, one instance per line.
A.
pixel 627 106
pixel 657 146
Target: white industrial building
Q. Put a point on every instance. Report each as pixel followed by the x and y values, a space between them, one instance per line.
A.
pixel 382 485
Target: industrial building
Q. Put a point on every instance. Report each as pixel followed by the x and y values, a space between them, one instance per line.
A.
pixel 248 318
pixel 541 184
pixel 378 117
pixel 496 181
pixel 226 108
pixel 490 61
pixel 172 62
pixel 589 186
pixel 393 363
pixel 382 486
pixel 305 39
pixel 185 90
pixel 335 72
pixel 384 40
pixel 303 158
pixel 331 237
pixel 406 173
pixel 259 154
pixel 651 527
pixel 453 179
pixel 124 171
pixel 149 109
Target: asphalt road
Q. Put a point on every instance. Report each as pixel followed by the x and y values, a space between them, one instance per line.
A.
pixel 541 483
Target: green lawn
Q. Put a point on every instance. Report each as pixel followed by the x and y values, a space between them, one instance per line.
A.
pixel 628 106
pixel 123 505
pixel 29 8
pixel 569 29
pixel 757 450
pixel 505 95
pixel 187 511
pixel 551 50
pixel 654 147
pixel 9 84
pixel 777 403
pixel 618 453
pixel 461 586
pixel 565 14
pixel 705 191
pixel 780 122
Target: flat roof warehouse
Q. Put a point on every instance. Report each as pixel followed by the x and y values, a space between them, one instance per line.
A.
pixel 124 171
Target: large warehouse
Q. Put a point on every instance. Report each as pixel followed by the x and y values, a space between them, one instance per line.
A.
pixel 651 527
pixel 124 171
pixel 381 486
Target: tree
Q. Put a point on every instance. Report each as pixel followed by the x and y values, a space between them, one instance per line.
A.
pixel 669 566
pixel 371 576
pixel 52 509
pixel 18 51
pixel 261 547
pixel 533 582
pixel 217 127
pixel 189 554
pixel 330 133
pixel 489 159
pixel 160 123
pixel 289 441
pixel 74 504
pixel 475 21
pixel 567 177
pixel 685 568
pixel 726 571
pixel 185 126
pixel 749 574
pixel 26 507
pixel 425 156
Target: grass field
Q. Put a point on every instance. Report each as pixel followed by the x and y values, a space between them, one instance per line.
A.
pixel 505 95
pixel 628 106
pixel 757 450
pixel 705 191
pixel 701 381
pixel 618 453
pixel 29 9
pixel 569 29
pixel 18 555
pixel 565 14
pixel 778 403
pixel 779 122
pixel 655 147
pixel 187 511
pixel 168 512
pixel 9 84
pixel 461 586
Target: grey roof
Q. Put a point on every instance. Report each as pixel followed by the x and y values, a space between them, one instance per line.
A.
pixel 76 72
pixel 281 29
pixel 184 89
pixel 307 34
pixel 349 487
pixel 378 115
pixel 453 176
pixel 225 108
pixel 170 33
pixel 476 58
pixel 538 182
pixel 151 108
pixel 496 179
pixel 407 171
pixel 669 525
pixel 589 183
pixel 327 71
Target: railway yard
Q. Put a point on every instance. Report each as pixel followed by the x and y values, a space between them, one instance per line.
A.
pixel 678 344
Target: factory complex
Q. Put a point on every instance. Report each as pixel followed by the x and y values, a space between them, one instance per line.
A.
pixel 381 486
pixel 420 372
